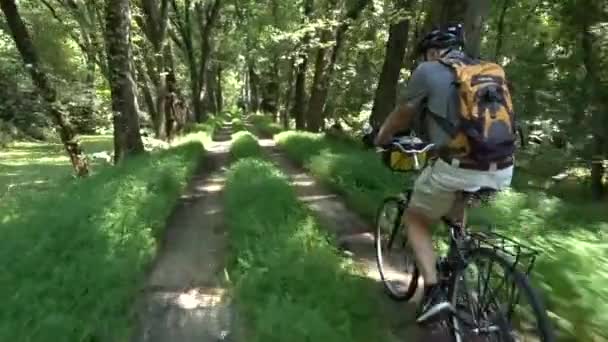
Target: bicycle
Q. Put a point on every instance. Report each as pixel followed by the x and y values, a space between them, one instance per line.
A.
pixel 480 312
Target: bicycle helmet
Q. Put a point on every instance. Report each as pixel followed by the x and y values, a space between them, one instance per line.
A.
pixel 443 37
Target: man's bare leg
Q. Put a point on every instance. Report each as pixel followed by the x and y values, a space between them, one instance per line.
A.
pixel 434 299
pixel 420 239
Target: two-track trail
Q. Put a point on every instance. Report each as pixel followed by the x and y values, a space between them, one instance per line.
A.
pixel 355 238
pixel 184 298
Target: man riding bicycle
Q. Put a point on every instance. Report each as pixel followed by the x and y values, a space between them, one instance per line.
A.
pixel 431 105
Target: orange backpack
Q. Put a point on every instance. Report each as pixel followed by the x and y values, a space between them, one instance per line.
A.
pixel 486 132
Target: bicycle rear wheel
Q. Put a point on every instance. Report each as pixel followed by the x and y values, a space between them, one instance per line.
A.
pixel 494 301
pixel 394 258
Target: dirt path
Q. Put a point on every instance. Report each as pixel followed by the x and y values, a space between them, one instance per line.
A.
pixel 184 299
pixel 355 238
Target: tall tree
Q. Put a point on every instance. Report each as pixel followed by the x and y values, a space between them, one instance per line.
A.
pixel 187 19
pixel 384 99
pixel 470 12
pixel 127 138
pixel 28 53
pixel 325 64
pixel 596 102
pixel 154 27
pixel 501 28
pixel 299 105
pixel 477 11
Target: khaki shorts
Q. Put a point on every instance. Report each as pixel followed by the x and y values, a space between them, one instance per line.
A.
pixel 437 186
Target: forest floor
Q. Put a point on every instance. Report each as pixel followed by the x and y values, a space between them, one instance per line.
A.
pixel 27 165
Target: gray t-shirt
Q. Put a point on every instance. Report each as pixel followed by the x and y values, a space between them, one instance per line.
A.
pixel 430 88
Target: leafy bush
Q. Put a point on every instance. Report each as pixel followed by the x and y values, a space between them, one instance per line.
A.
pixel 265 126
pixel 74 256
pixel 244 144
pixel 290 281
pixel 237 124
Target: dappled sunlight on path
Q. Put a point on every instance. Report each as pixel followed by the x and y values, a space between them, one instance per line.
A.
pixel 185 299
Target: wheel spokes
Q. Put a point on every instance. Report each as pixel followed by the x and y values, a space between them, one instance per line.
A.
pixel 495 303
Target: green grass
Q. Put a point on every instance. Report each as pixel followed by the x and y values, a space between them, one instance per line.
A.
pixel 206 128
pixel 355 173
pixel 244 144
pixel 264 125
pixel 237 124
pixel 27 165
pixel 291 283
pixel 572 271
pixel 75 255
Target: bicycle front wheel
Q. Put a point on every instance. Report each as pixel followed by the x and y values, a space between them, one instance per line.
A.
pixel 394 257
pixel 494 301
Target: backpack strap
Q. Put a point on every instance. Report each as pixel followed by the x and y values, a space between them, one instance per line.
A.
pixel 444 123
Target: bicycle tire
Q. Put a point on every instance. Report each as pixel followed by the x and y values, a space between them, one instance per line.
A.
pixel 410 288
pixel 524 288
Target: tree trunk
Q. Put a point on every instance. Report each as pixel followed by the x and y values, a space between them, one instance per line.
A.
pixel 127 139
pixel 28 53
pixel 477 11
pixel 442 12
pixel 160 119
pixel 147 93
pixel 597 107
pixel 254 90
pixel 210 90
pixel 316 101
pixel 154 27
pixel 208 14
pixel 324 67
pixel 218 91
pixel 384 100
pixel 288 95
pixel 501 28
pixel 299 104
pixel 471 12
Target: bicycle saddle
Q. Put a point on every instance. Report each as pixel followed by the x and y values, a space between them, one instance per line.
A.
pixel 483 194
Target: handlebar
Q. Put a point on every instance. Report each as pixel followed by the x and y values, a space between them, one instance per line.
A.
pixel 415 148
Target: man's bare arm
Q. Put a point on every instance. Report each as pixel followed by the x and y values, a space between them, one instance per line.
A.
pixel 397 120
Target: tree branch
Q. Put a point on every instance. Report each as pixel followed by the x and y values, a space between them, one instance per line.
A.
pixel 58 18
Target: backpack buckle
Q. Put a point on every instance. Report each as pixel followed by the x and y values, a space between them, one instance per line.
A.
pixel 493 167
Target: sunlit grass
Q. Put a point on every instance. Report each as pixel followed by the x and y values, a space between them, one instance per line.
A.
pixel 264 125
pixel 570 231
pixel 24 165
pixel 290 281
pixel 75 256
pixel 244 144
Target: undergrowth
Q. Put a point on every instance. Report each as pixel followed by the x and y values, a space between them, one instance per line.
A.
pixel 355 173
pixel 573 268
pixel 74 256
pixel 265 125
pixel 291 283
pixel 244 144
